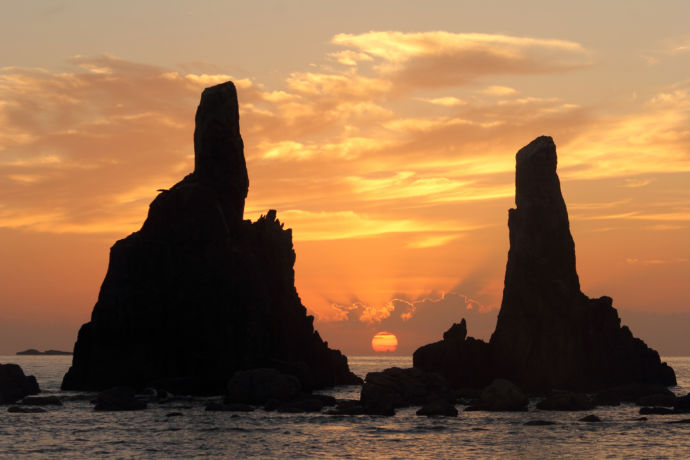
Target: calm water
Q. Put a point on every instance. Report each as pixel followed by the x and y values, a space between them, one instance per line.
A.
pixel 76 431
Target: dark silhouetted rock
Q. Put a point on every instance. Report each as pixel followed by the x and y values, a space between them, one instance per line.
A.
pixel 256 386
pixel 199 293
pixel 539 423
pixel 437 407
pixel 118 399
pixel 463 361
pixel 26 410
pixel 503 395
pixel 656 411
pixel 590 419
pixel 231 407
pixel 682 404
pixel 41 401
pixel 174 414
pixel 629 393
pixel 549 334
pixel 395 387
pixel 355 407
pixel 304 404
pixel 682 421
pixel 565 400
pixel 665 400
pixel 14 385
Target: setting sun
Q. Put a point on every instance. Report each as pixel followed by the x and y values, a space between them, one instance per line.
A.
pixel 384 341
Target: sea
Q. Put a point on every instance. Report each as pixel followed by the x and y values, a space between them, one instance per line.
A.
pixel 75 430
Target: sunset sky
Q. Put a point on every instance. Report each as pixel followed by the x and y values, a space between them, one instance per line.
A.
pixel 384 133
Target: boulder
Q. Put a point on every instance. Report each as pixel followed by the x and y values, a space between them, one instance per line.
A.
pixel 664 399
pixel 629 393
pixel 257 386
pixel 304 404
pixel 395 387
pixel 682 404
pixel 354 407
pixel 566 401
pixel 590 419
pixel 14 385
pixel 656 411
pixel 503 395
pixel 199 292
pixel 438 407
pixel 463 361
pixel 118 399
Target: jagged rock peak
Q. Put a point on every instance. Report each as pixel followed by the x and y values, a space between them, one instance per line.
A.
pixel 218 147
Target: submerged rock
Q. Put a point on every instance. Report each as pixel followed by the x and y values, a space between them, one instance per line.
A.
pixel 539 423
pixel 26 410
pixel 14 385
pixel 199 293
pixel 590 419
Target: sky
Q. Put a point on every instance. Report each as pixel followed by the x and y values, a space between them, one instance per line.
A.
pixel 384 134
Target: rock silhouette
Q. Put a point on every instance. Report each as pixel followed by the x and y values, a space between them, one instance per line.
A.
pixel 14 385
pixel 549 335
pixel 199 293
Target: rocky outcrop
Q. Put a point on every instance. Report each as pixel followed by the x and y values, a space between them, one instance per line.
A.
pixel 549 335
pixel 199 293
pixel 503 395
pixel 14 385
pixel 463 361
pixel 394 387
pixel 257 386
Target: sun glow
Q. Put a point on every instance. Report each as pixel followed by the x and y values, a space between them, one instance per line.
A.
pixel 384 341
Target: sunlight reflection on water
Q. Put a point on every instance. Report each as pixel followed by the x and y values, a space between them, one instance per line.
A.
pixel 76 431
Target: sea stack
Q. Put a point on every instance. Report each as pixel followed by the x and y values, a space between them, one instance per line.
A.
pixel 549 335
pixel 199 293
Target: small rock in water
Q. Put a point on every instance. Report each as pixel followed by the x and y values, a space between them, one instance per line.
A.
pixel 566 401
pixel 539 423
pixel 442 408
pixel 234 407
pixel 26 410
pixel 656 411
pixel 685 420
pixel 174 414
pixel 590 419
pixel 118 399
pixel 41 401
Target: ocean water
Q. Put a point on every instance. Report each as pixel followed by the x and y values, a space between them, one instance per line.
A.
pixel 75 430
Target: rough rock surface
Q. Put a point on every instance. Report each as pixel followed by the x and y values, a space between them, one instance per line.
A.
pixel 566 401
pixel 463 361
pixel 549 335
pixel 503 395
pixel 14 385
pixel 199 293
pixel 395 387
pixel 257 386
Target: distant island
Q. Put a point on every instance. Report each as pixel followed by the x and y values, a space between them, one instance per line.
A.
pixel 33 352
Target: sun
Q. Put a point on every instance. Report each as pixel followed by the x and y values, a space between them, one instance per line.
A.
pixel 384 341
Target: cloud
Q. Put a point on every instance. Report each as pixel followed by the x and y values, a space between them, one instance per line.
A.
pixel 440 58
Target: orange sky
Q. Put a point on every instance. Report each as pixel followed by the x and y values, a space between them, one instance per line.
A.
pixel 385 138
